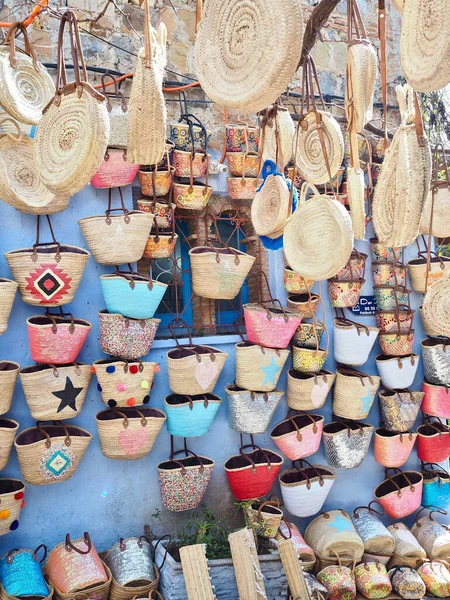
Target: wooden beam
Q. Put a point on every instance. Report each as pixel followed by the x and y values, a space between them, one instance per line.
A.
pixel 317 20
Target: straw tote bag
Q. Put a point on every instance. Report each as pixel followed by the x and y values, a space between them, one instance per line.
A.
pixel 346 443
pixel 72 136
pixel 147 112
pixel 20 185
pixel 117 107
pixel 436 486
pixel 392 449
pixel 406 583
pixel 21 574
pixel 436 576
pixel 433 441
pixel 353 342
pixel 436 307
pixel 436 361
pixel 397 372
pixel 308 391
pixel 318 238
pixel 333 533
pixel 399 408
pixel 8 430
pixel 377 538
pixel 401 494
pixel 436 400
pixel 251 412
pixel 420 268
pixel 25 85
pixel 131 564
pixel 126 338
pixel 50 453
pixel 264 518
pixel 432 535
pixel 8 376
pixel 278 135
pixel 269 211
pixel 55 393
pixel 124 382
pixel 114 170
pixel 11 500
pixel 298 436
pixel 257 368
pixel 248 68
pixel 424 45
pixel 437 203
pixel 8 290
pixel 372 580
pixel 305 488
pixel 190 416
pixel 354 393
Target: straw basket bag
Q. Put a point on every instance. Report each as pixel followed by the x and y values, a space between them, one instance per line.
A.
pixel 372 580
pixel 436 400
pixel 354 393
pixel 310 360
pixel 389 298
pixel 191 194
pixel 185 162
pixel 392 321
pixel 407 548
pixel 20 185
pixel 298 436
pixel 433 441
pixel 439 265
pixel 163 211
pixel 269 211
pixel 183 481
pixel 11 501
pixel 131 564
pixel 117 239
pixel 346 443
pixel 8 377
pixel 353 342
pixel 424 48
pixel 251 412
pixel 436 307
pixel 243 137
pixel 431 535
pixel 243 164
pixel 399 408
pixel 126 338
pixel 436 361
pixel 265 54
pixel 436 576
pixel 438 200
pixel 117 107
pixel 345 294
pixel 382 253
pixel 295 283
pixel 72 136
pixel 392 274
pixel 401 494
pixel 257 368
pixel 278 133
pixel 56 339
pixel 126 592
pixel 304 304
pixel 49 273
pixel 190 416
pixel 397 371
pixel 397 344
pixel 305 488
pixel 269 324
pixel 132 295
pixel 114 171
pixel 355 267
pixel 426 326
pixel 22 576
pixel 242 188
pixel 333 532
pixel 160 245
pixel 406 582
pixel 219 273
pixel 308 332
pixel 264 518
pixel 308 391
pixel 306 556
pixel 50 453
pixel 27 87
pixel 376 537
pixel 8 430
pixel 318 238
pixel 156 183
pixel 128 434
pixel 147 112
pixel 55 393
pixel 193 369
pixel 436 486
pixel 124 383
pixel 7 294
pixel 392 449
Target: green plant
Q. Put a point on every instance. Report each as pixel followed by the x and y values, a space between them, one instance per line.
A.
pixel 436 116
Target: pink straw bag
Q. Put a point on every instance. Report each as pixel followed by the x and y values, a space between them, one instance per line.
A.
pixel 401 494
pixel 115 170
pixel 298 436
pixel 392 449
pixel 436 400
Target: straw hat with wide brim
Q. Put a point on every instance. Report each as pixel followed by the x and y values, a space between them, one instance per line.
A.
pixel 246 53
pixel 425 44
pixel 20 185
pixel 436 307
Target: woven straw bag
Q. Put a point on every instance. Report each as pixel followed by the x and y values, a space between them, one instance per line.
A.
pixel 242 188
pixel 270 206
pixel 8 290
pixel 49 273
pixel 355 267
pixel 251 412
pixel 392 274
pixel 390 298
pixel 264 518
pixel 436 400
pixel 131 564
pixel 55 393
pixel 426 326
pixel 117 239
pixel 436 360
pixel 310 360
pixel 307 332
pixel 185 162
pixel 114 170
pixel 424 46
pixel 354 393
pixel 382 253
pixel 269 324
pixel 11 498
pixel 193 369
pixel 318 238
pixel 399 408
pixel 304 304
pixel 160 245
pixel 72 136
pixel 248 68
pixel 392 449
pixel 436 576
pixel 436 486
pixel 397 372
pixel 163 211
pixel 346 443
pixel 298 436
pixel 433 440
pixel 125 592
pixel 117 107
pixel 432 535
pixel 406 582
pixel 353 342
pixel 278 135
pixel 8 430
pixel 147 112
pixel 333 533
pixel 156 182
pixel 257 368
pixel 401 494
pixel 308 391
pixel 377 538
pixel 50 453
pixel 437 269
pixel 397 344
pixel 128 434
pixel 405 543
pixel 125 383
pixel 191 194
pixel 243 137
pixel 12 567
pixel 219 273
pixel 295 283
pixel 20 185
pixel 345 294
pixel 126 338
pixel 8 377
pixel 372 580
pixel 26 86
pixel 243 164
pixel 305 488
pixel 190 416
pixel 391 321
pixel 436 307
pixel 437 204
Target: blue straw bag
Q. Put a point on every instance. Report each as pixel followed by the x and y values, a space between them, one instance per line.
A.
pixel 191 416
pixel 132 295
pixel 21 573
pixel 436 486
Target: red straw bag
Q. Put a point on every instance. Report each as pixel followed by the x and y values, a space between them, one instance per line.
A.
pixel 401 494
pixel 433 441
pixel 252 474
pixel 56 339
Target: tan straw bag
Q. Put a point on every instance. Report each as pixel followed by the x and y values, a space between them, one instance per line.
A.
pixel 425 44
pixel 248 67
pixel 354 393
pixel 20 185
pixel 308 391
pixel 432 535
pixel 333 532
pixel 436 307
pixel 72 136
pixel 8 290
pixel 118 113
pixel 438 200
pixel 147 109
pixel 270 206
pixel 25 85
pixel 278 135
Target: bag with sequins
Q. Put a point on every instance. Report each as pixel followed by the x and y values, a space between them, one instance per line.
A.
pixel 372 580
pixel 436 486
pixel 399 408
pixel 339 581
pixel 346 443
pixel 432 535
pixel 376 537
pixel 436 360
pixel 401 494
pixel 21 573
pixel 251 412
pixel 131 565
pixel 406 583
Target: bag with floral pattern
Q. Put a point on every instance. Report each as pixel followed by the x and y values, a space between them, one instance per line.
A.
pixel 339 581
pixel 436 576
pixel 372 580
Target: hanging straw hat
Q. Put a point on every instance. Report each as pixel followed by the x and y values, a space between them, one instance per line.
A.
pixel 425 44
pixel 436 307
pixel 72 136
pixel 246 53
pixel 25 86
pixel 20 185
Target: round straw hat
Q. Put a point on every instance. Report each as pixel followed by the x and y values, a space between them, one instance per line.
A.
pixel 246 53
pixel 425 44
pixel 436 307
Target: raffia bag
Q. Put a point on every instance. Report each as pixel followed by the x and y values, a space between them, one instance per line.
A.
pixel 11 499
pixel 376 537
pixel 401 494
pixel 72 136
pixel 308 391
pixel 50 453
pixel 399 408
pixel 248 68
pixel 333 532
pixel 346 443
pixel 407 551
pixel 8 377
pixel 353 341
pixel 354 393
pixel 305 487
pixel 278 135
pixel 436 307
pixel 269 211
pixel 251 412
pixel 117 107
pixel 417 267
pixel 128 434
pixel 432 535
pixel 49 273
pixel 257 368
pixel 26 87
pixel 8 430
pixel 438 200
pixel 8 290
pixel 147 112
pixel 264 518
pixel 20 185
pixel 125 382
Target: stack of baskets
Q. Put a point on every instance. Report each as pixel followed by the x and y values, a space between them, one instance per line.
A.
pixel 346 286
pixel 244 162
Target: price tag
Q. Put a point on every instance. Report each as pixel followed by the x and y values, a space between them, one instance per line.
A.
pixel 366 306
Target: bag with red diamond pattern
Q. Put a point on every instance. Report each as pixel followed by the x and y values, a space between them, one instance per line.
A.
pixel 11 502
pixel 123 382
pixel 49 273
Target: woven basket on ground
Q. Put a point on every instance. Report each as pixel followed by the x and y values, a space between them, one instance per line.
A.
pixel 72 136
pixel 432 536
pixel 55 393
pixel 248 68
pixel 406 545
pixel 94 592
pixel 354 393
pixel 376 537
pixel 125 383
pixel 8 377
pixel 257 368
pixel 11 498
pixel 50 453
pixel 7 294
pixel 126 592
pixel 333 532
pixel 436 307
pixel 5 596
pixel 8 430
